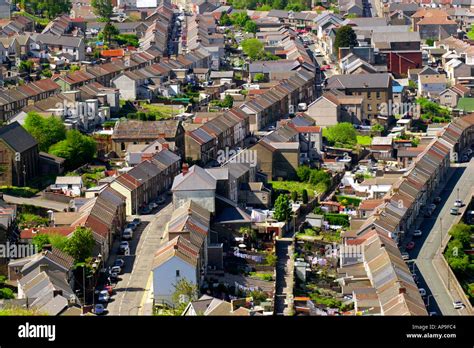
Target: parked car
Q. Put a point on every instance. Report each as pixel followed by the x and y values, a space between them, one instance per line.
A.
pixel 109 289
pixel 137 221
pixel 116 269
pixel 146 210
pixel 410 245
pixel 454 211
pixel 131 226
pixel 152 205
pixel 458 203
pixel 417 233
pixel 437 200
pixel 422 292
pixel 405 256
pixel 104 296
pixel 160 200
pixel 119 262
pixel 432 207
pixel 127 234
pixel 433 314
pixel 123 247
pixel 458 305
pixel 99 309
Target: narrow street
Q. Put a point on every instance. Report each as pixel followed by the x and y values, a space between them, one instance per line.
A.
pixel 283 283
pixel 441 299
pixel 134 284
pixel 36 201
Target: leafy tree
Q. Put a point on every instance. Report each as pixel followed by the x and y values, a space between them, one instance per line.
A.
pixel 259 77
pixel 80 244
pixel 46 131
pixel 77 149
pixel 253 48
pixel 303 173
pixel 75 68
pixel 228 101
pixel 26 66
pixel 109 32
pixel 294 196
pixel 6 293
pixel 239 19
pixel 305 196
pixel 345 37
pixel 225 19
pixel 103 9
pixel 40 240
pixel 184 292
pixel 282 208
pixel 251 27
pixel 271 259
pixel 462 233
pixel 341 133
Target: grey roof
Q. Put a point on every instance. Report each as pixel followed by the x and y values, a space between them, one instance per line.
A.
pixel 69 180
pixel 196 179
pixel 273 66
pixel 359 81
pixel 410 36
pixel 49 39
pixel 17 137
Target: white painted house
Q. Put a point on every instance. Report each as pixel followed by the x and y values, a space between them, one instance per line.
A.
pixel 178 259
pixel 68 185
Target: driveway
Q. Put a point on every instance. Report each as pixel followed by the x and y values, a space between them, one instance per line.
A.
pixel 134 285
pixel 441 298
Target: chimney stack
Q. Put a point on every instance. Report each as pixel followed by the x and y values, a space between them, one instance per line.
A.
pixel 185 168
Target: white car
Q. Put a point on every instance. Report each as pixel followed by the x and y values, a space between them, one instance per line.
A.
pixel 127 234
pixel 104 296
pixel 458 203
pixel 458 305
pixel 422 291
pixel 417 233
pixel 405 256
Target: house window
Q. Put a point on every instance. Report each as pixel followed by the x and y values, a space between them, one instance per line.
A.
pixel 377 94
pixel 177 273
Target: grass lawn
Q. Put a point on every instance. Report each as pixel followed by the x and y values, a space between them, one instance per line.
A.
pixel 294 186
pixel 364 140
pixel 165 111
pixel 466 104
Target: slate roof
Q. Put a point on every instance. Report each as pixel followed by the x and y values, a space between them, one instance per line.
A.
pixel 196 178
pixel 17 137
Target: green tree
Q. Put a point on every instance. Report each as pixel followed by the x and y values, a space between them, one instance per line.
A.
pixel 462 233
pixel 46 131
pixel 184 292
pixel 103 9
pixel 6 293
pixel 225 20
pixel 294 196
pixel 77 149
pixel 26 66
pixel 305 196
pixel 109 32
pixel 259 77
pixel 40 240
pixel 251 27
pixel 342 134
pixel 80 244
pixel 239 18
pixel 303 173
pixel 228 101
pixel 282 209
pixel 253 48
pixel 345 37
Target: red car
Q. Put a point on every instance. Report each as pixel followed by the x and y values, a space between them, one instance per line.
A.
pixel 325 67
pixel 410 245
pixel 109 289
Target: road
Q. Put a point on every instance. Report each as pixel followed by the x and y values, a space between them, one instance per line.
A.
pixel 135 282
pixel 36 201
pixel 282 279
pixel 427 246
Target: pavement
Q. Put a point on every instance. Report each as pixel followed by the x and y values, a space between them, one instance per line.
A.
pixel 36 201
pixel 439 298
pixel 133 292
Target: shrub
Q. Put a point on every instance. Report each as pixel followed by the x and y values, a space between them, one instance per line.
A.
pixel 6 293
pixel 337 219
pixel 294 196
pixel 305 196
pixel 24 192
